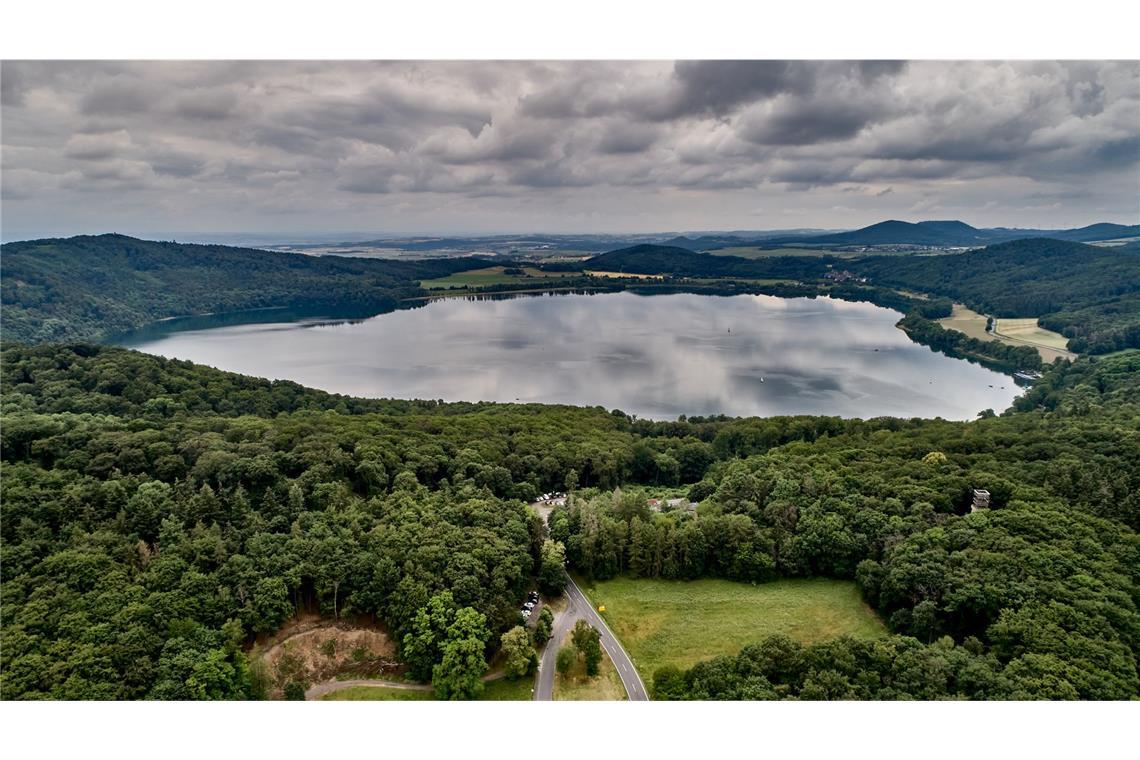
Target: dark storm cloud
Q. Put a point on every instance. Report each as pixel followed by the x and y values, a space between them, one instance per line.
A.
pixel 434 145
pixel 176 164
pixel 1122 152
pixel 872 70
pixel 806 122
pixel 717 87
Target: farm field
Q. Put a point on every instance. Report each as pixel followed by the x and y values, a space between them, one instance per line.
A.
pixel 967 321
pixel 682 622
pixel 624 275
pixel 1028 331
pixel 477 278
pixel 1017 332
pixel 576 686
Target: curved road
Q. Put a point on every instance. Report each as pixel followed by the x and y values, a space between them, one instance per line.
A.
pixel 579 608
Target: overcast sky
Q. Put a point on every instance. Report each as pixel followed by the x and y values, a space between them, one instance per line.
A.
pixel 165 148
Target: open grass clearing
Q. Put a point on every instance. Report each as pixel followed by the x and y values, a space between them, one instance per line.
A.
pixel 498 690
pixel 967 321
pixel 1013 332
pixel 623 275
pixel 478 278
pixel 682 622
pixel 377 693
pixel 1029 331
pixel 506 690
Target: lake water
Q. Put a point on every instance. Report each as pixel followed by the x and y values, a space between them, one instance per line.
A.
pixel 654 356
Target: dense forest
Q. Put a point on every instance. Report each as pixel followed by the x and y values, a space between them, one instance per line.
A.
pixel 1035 597
pixel 89 287
pixel 159 515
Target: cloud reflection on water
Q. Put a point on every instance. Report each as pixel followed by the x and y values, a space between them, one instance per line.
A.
pixel 658 356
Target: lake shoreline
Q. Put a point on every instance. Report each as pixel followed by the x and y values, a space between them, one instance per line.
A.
pixel 658 358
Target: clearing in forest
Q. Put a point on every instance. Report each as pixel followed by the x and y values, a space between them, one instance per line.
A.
pixel 478 278
pixel 623 275
pixel 679 623
pixel 1028 331
pixel 310 650
pixel 1013 332
pixel 498 690
pixel 968 322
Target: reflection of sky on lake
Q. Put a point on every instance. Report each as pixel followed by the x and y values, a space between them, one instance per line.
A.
pixel 658 356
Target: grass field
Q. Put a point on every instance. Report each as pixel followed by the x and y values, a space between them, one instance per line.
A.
pixel 376 693
pixel 625 275
pixel 576 686
pixel 499 690
pixel 1014 332
pixel 503 690
pixel 1027 330
pixel 967 321
pixel 681 622
pixel 478 278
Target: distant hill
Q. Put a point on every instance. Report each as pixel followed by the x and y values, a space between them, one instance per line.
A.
pixel 950 234
pixel 1090 234
pixel 672 260
pixel 644 259
pixel 87 287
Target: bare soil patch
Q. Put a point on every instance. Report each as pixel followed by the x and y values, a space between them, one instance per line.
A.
pixel 311 650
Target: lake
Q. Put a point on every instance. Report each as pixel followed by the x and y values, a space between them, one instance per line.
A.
pixel 655 356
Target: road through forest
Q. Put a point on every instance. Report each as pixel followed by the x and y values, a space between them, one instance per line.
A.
pixel 578 607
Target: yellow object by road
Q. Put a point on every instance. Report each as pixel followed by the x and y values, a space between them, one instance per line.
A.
pixel 601 608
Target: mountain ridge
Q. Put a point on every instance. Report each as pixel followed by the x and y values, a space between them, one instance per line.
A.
pixel 950 233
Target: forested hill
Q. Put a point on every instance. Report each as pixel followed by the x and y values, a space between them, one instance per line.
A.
pixel 671 260
pixel 1090 294
pixel 158 515
pixel 87 287
pixel 951 233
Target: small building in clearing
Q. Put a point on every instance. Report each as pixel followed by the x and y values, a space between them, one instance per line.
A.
pixel 981 499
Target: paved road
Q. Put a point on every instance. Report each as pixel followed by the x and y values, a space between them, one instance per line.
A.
pixel 578 607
